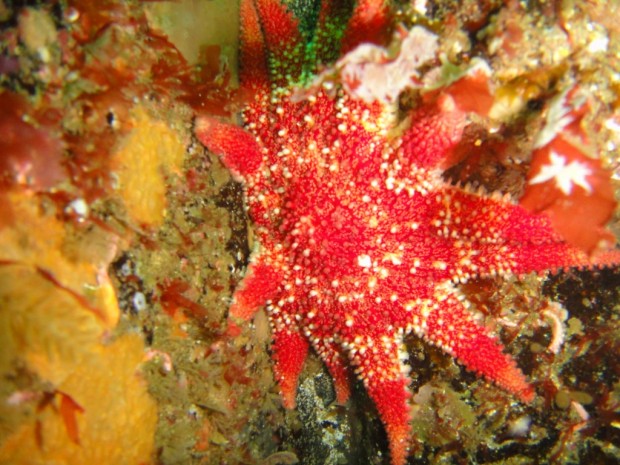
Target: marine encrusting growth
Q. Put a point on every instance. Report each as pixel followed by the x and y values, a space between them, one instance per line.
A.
pixel 362 241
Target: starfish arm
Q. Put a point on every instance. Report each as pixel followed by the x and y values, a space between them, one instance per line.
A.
pixel 559 256
pixel 605 259
pixel 254 71
pixel 260 284
pixel 371 21
pixel 536 246
pixel 289 352
pixel 331 356
pixel 236 147
pixel 282 39
pixel 378 364
pixel 434 132
pixel 447 324
pixel 491 235
pixel 547 257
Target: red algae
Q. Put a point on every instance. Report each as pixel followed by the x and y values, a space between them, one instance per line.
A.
pixel 565 182
pixel 172 299
pixel 32 155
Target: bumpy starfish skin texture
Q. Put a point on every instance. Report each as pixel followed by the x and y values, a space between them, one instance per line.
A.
pixel 361 239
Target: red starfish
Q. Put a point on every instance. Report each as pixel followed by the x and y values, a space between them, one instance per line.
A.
pixel 361 240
